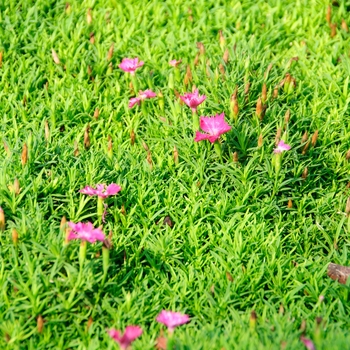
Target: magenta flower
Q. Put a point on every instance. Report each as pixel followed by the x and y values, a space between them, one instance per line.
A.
pixel 175 63
pixel 214 127
pixel 172 319
pixel 193 100
pixel 130 65
pixel 124 340
pixel 308 343
pixel 142 96
pixel 281 147
pixel 101 190
pixel 85 232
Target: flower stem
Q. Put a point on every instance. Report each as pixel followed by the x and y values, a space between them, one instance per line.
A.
pixel 195 121
pixel 82 254
pixel 100 208
pixel 134 83
pixel 105 257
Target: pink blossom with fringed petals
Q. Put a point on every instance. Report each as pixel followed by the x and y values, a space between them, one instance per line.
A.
pixel 85 232
pixel 124 340
pixel 130 65
pixel 175 63
pixel 142 96
pixel 213 126
pixel 193 100
pixel 101 190
pixel 281 147
pixel 308 343
pixel 172 319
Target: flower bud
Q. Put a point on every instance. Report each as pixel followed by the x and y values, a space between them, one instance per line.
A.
pixel 55 57
pixel 149 159
pixel 110 147
pixel 333 30
pixel 226 56
pixel 16 188
pixel 14 237
pixel 196 60
pixel 110 52
pixel 264 93
pixel 221 40
pixel 278 136
pixel 259 109
pixel 235 157
pixel 275 92
pixel 246 91
pixel 132 137
pixel 1 55
pixel 68 8
pixel 347 156
pixel 24 155
pixel 6 148
pixel 287 116
pixel 176 156
pixel 290 204
pixel 201 49
pixel 314 138
pixel 145 146
pixel 252 320
pixel 347 207
pixel 344 26
pixel 161 101
pixel 306 147
pixel 89 323
pixel 304 137
pixel 329 15
pixel 305 173
pixel 40 323
pixel 89 16
pixel 96 113
pixel 76 149
pixel 260 140
pixel 2 220
pixel 92 38
pixel 87 137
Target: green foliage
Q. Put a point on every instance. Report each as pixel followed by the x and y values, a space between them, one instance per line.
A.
pixel 228 216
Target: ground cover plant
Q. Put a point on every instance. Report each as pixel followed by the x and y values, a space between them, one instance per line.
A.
pixel 230 221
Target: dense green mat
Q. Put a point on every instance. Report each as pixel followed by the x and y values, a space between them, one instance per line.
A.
pixel 235 245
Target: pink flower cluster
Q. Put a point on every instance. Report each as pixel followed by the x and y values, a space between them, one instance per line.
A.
pixel 101 190
pixel 130 65
pixel 85 232
pixel 169 318
pixel 142 96
pixel 193 100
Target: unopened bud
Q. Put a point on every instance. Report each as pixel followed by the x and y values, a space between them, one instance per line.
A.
pixel 145 146
pixel 246 91
pixel 344 26
pixel 63 223
pixel 47 130
pixel 281 310
pixel 89 323
pixel 24 155
pixel 207 69
pixel 2 220
pixel 1 54
pixel 306 147
pixel 226 56
pixel 92 38
pixel 222 70
pixel 235 157
pixel 16 188
pixel 176 155
pixel 347 156
pixel 40 323
pixel 305 173
pixel 87 137
pixel 196 60
pixel 122 210
pixel 68 8
pixel 234 105
pixel 110 52
pixel 333 30
pixel 275 92
pixel 290 204
pixel 201 48
pixel 278 136
pixel 304 137
pixel 149 159
pixel 96 113
pixel 269 67
pixel 76 149
pixel 229 276
pixel 252 320
pixel 221 39
pixel 89 16
pixel 347 207
pixel 189 73
pixel 303 326
pixel 55 57
pixel 161 101
pixel 260 140
pixel 259 109
pixel 132 137
pixel 287 116
pixel 329 15
pixel 264 93
pixel 6 148
pixel 14 237
pixel 110 147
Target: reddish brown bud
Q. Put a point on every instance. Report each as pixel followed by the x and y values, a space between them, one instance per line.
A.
pixel 305 173
pixel 304 137
pixel 96 113
pixel 347 207
pixel 221 39
pixel 235 157
pixel 16 188
pixel 290 204
pixel 110 52
pixel 92 38
pixel 196 60
pixel 189 73
pixel 76 149
pixel 67 8
pixel 201 48
pixel 6 148
pixel 149 159
pixel 87 137
pixel 132 137
pixel 269 67
pixel 145 146
pixel 278 136
pixel 246 91
pixel 222 70
pixel 122 210
pixel 333 30
pixel 226 56
pixel 24 155
pixel 1 54
pixel 176 155
pixel 14 237
pixel 89 323
pixel 287 116
pixel 306 147
pixel 2 220
pixel 63 223
pixel 314 138
pixel 264 93
pixel 260 140
pixel 347 156
pixel 329 15
pixel 344 26
pixel 40 323
pixel 259 109
pixel 229 276
pixel 47 130
pixel 275 92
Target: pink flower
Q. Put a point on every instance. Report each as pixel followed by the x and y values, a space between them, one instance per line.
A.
pixel 175 63
pixel 131 333
pixel 281 147
pixel 172 319
pixel 193 100
pixel 101 190
pixel 214 127
pixel 85 232
pixel 130 65
pixel 142 96
pixel 308 343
